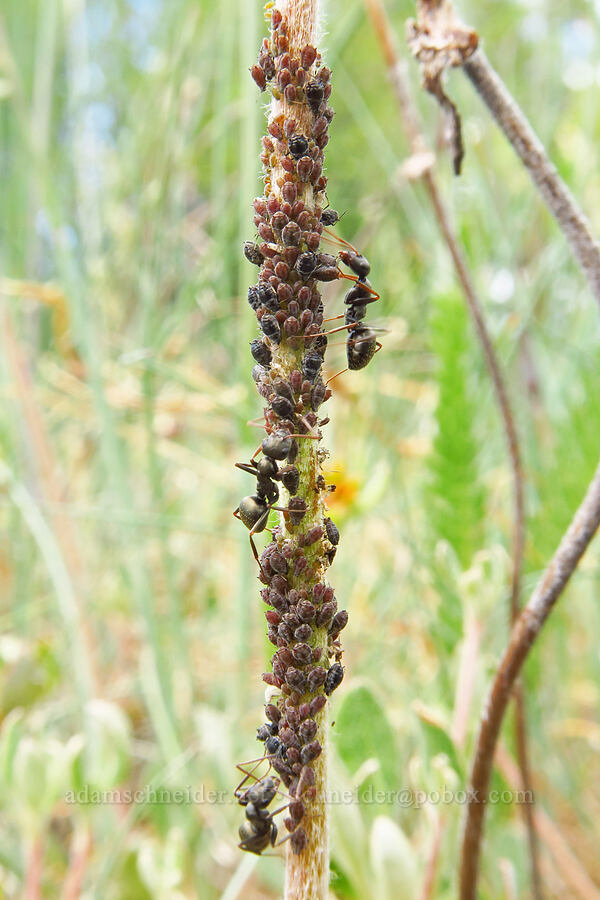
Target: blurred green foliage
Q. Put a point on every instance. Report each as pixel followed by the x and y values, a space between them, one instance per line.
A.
pixel 132 637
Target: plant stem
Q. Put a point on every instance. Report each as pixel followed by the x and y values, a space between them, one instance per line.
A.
pixel 303 622
pixel 307 873
pixel 79 856
pixel 530 150
pixel 524 634
pixel 569 867
pixel 410 118
pixel 32 889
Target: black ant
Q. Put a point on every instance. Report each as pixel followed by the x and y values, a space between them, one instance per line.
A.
pixel 265 470
pixel 259 830
pixel 361 344
pixel 254 510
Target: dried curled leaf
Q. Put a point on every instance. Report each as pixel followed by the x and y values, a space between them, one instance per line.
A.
pixel 439 41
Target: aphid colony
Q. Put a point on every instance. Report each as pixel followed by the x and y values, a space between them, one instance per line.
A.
pixel 303 619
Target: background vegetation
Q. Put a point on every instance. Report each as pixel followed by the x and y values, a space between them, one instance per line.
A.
pixel 132 636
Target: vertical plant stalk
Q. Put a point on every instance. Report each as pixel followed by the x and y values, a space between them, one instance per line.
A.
pixel 438 41
pixel 79 857
pixel 303 620
pixel 32 889
pixel 422 168
pixel 524 634
pixel 558 198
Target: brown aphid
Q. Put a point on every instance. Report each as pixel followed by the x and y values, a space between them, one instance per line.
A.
pixel 304 167
pixel 291 234
pixel 278 221
pixel 258 74
pixel 284 78
pixel 284 293
pixel 289 192
pixel 289 127
pixel 308 55
pixel 274 129
pixel 320 126
pixel 282 270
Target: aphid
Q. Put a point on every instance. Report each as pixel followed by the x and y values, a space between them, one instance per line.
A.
pixel 298 146
pixel 253 254
pixel 334 678
pixel 328 273
pixel 291 234
pixel 275 747
pixel 254 297
pixel 314 93
pixel 260 352
pixel 263 732
pixel 306 265
pixel 326 259
pixel 259 76
pixel 290 478
pixel 305 167
pixel 268 296
pixel 332 531
pixel 271 328
pixel 311 365
pixel 282 406
pixel 308 56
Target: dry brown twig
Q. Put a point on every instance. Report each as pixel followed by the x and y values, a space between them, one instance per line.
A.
pixel 571 870
pixel 435 51
pixel 434 41
pixel 528 626
pixel 440 41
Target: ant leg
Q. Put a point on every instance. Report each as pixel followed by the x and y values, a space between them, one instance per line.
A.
pixel 251 774
pixel 281 809
pixel 283 840
pixel 246 468
pixel 341 372
pixel 256 452
pixel 257 760
pixel 256 529
pixel 341 328
pixel 335 237
pixel 358 280
pixel 255 553
pixel 332 331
